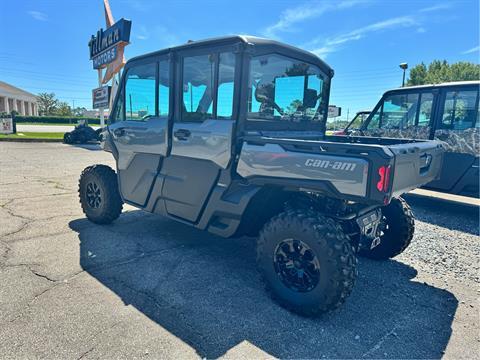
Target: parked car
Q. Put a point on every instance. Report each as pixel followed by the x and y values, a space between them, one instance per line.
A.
pixel 355 124
pixel 228 135
pixel 448 112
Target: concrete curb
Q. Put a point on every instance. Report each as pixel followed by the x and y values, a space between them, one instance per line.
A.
pixel 29 140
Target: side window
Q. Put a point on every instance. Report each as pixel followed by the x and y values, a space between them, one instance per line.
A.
pixel 198 87
pixel 163 88
pixel 399 111
pixel 118 113
pixel 226 78
pixel 459 111
pixel 140 92
pixel 425 111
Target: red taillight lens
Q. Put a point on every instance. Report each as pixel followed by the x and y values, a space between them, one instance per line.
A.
pixel 384 181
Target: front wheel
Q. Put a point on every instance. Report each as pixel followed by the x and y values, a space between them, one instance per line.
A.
pixel 397 226
pixel 99 195
pixel 306 261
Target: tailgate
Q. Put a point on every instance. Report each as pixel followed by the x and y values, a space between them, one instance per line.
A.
pixel 416 164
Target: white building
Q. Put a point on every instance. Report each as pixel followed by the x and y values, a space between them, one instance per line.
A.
pixel 13 98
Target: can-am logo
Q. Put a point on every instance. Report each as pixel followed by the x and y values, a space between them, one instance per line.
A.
pixel 327 164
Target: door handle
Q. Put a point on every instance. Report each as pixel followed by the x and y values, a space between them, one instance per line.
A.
pixel 182 134
pixel 119 132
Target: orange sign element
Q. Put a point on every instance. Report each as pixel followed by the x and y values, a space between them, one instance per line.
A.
pixel 116 65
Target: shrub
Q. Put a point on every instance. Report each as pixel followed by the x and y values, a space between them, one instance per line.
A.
pixel 55 119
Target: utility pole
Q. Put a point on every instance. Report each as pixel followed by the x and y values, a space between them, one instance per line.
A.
pixel 404 67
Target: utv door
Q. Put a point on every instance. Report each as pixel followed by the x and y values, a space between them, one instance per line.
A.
pixel 201 132
pixel 139 130
pixel 458 126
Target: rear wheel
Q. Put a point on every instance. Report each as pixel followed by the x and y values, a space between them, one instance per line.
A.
pixel 397 226
pixel 307 262
pixel 99 195
pixel 67 138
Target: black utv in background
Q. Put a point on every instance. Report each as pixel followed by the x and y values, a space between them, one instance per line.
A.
pixel 448 112
pixel 228 135
pixel 82 134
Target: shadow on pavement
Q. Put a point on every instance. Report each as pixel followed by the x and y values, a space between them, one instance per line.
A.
pixel 452 215
pixel 206 291
pixel 89 146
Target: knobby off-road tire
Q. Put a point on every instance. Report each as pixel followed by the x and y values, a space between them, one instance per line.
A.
pixel 398 229
pixel 99 196
pixel 67 138
pixel 325 248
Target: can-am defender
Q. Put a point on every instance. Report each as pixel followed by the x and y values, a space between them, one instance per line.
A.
pixel 228 135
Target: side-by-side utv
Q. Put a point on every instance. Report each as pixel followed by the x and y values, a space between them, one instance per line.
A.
pixel 228 135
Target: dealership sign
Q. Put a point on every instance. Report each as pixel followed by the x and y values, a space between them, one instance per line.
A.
pixel 101 97
pixel 6 125
pixel 103 45
pixel 104 58
pixel 334 111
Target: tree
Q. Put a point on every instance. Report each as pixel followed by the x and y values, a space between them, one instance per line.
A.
pixel 63 109
pixel 441 71
pixel 47 103
pixel 79 111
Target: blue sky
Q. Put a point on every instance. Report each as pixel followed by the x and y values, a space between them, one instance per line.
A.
pixel 45 45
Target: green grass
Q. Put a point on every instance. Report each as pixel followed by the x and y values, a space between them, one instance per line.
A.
pixel 40 123
pixel 33 135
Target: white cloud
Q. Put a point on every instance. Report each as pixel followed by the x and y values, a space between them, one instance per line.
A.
pixel 291 16
pixel 443 6
pixel 37 15
pixel 472 50
pixel 143 33
pixel 333 44
pixel 421 30
pixel 167 38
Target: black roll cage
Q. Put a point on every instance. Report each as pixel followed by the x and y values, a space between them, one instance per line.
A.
pixel 244 48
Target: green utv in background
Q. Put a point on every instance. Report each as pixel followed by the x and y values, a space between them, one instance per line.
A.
pixel 228 135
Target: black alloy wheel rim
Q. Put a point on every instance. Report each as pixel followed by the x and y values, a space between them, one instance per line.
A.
pixel 94 195
pixel 296 265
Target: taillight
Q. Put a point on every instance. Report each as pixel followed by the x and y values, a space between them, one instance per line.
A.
pixel 384 181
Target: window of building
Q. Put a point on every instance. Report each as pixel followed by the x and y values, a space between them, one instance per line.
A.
pixel 459 111
pixel 140 92
pixel 284 89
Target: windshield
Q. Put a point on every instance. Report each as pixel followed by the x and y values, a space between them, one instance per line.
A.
pixel 284 89
pixel 358 120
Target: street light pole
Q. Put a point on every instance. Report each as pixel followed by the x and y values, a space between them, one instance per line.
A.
pixel 404 67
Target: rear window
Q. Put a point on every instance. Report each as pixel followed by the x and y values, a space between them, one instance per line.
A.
pixel 284 89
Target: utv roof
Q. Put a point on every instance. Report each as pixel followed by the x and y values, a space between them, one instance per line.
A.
pixel 254 42
pixel 440 85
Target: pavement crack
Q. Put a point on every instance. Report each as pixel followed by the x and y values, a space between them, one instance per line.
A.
pixel 379 343
pixel 85 353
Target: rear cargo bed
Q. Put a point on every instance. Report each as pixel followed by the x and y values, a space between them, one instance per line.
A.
pixel 369 170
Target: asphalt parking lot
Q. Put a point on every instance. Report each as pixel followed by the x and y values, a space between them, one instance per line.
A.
pixel 149 287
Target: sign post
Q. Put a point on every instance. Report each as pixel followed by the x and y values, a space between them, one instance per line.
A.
pixel 106 52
